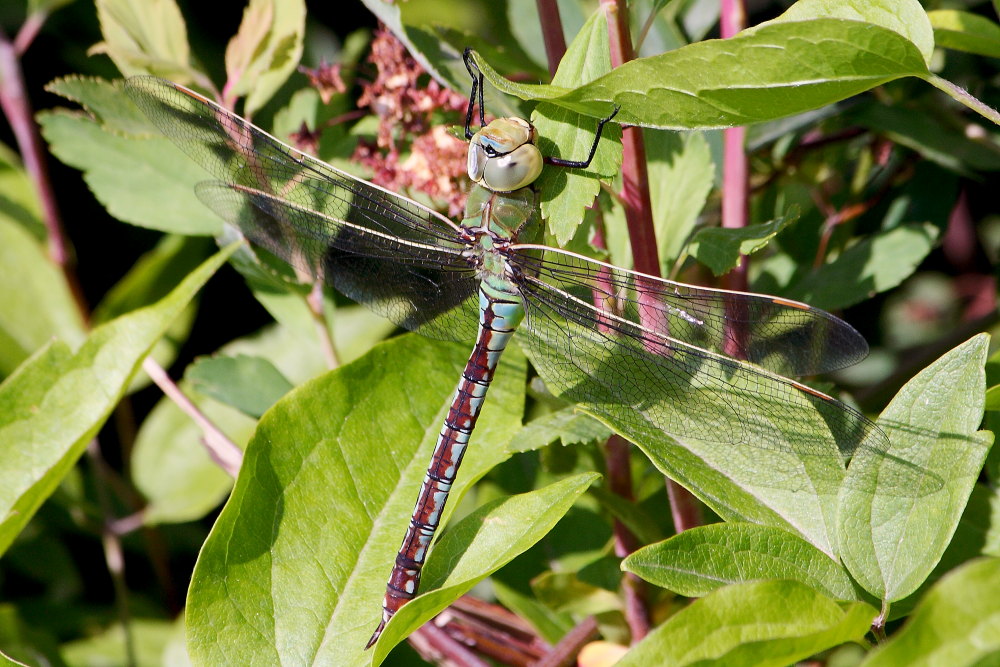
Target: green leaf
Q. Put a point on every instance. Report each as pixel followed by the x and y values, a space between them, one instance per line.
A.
pixel 957 623
pixel 720 249
pixel 150 638
pixel 295 567
pixel 479 545
pixel 149 280
pixel 53 405
pixel 965 31
pixel 147 182
pixel 905 17
pixel 46 6
pixel 5 660
pixel 104 101
pixel 143 37
pixel 767 485
pixel 567 592
pixel 703 559
pixel 20 200
pixel 875 264
pixel 762 623
pixel 992 398
pixel 776 70
pixel 681 176
pixel 170 465
pixel 567 192
pixel 550 625
pixel 891 543
pixel 569 425
pixel 265 50
pixel 949 147
pixel 35 302
pixel 249 384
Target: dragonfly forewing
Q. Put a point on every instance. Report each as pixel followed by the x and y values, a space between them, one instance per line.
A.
pixel 422 287
pixel 236 151
pixel 787 337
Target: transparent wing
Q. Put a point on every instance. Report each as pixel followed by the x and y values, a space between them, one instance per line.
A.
pixel 400 258
pixel 422 287
pixel 645 381
pixel 787 337
pixel 236 151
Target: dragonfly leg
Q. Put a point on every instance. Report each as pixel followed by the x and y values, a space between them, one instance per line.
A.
pixel 477 86
pixel 583 164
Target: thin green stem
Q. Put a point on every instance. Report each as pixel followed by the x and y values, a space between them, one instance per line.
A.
pixel 963 96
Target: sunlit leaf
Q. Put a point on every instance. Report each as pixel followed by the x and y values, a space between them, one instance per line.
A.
pixel 957 623
pixel 53 405
pixel 763 623
pixel 965 31
pixel 890 543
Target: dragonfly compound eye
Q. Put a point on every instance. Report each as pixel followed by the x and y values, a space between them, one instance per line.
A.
pixel 513 171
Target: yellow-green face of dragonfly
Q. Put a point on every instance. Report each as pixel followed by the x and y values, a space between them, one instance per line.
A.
pixel 503 156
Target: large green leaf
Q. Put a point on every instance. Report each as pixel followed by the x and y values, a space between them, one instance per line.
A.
pixel 144 181
pixel 703 559
pixel 771 485
pixel 53 405
pixel 957 623
pixel 891 542
pixel 905 17
pixel 762 623
pixel 775 70
pixel 295 567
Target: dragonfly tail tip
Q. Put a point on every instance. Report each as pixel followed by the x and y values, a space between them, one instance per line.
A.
pixel 375 635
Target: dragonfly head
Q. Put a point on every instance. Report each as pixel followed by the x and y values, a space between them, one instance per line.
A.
pixel 503 156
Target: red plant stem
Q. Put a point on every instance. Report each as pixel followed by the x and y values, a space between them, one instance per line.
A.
pixel 564 653
pixel 552 32
pixel 735 166
pixel 616 452
pixel 222 450
pixel 29 30
pixel 639 215
pixel 17 109
pixel 434 645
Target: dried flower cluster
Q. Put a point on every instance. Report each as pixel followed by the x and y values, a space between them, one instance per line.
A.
pixel 326 79
pixel 410 114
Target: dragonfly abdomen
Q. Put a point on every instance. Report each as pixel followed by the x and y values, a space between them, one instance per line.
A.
pixel 500 313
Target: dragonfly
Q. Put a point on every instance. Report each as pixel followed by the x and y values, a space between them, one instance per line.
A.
pixel 696 363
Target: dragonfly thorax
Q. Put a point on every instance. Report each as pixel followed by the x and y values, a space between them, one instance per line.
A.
pixel 503 156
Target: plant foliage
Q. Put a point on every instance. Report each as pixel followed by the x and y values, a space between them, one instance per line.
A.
pixel 873 143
